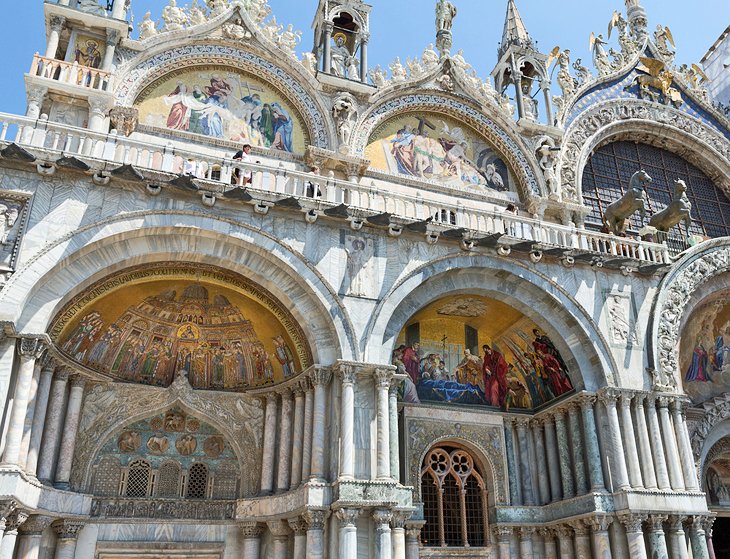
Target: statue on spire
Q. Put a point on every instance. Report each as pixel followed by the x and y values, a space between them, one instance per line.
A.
pixel 445 14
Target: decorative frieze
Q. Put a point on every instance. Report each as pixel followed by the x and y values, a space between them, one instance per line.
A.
pixel 161 509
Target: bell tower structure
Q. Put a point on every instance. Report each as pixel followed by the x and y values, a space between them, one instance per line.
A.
pixel 341 35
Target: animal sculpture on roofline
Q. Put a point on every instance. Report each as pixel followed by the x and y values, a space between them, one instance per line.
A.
pixel 678 210
pixel 616 214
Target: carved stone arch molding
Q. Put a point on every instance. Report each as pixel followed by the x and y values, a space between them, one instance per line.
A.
pixel 641 121
pixel 516 154
pixel 717 450
pixel 486 441
pixel 110 407
pixel 310 108
pixel 682 290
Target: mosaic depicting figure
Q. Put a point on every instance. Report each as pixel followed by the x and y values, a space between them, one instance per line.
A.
pixel 87 53
pixel 518 367
pixel 186 332
pixel 223 105
pixel 437 148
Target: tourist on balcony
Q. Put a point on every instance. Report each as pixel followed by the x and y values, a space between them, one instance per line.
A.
pixel 509 225
pixel 313 190
pixel 242 155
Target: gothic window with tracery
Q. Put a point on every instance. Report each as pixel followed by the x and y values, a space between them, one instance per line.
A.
pixel 138 479
pixel 106 477
pixel 168 479
pixel 197 481
pixel 454 498
pixel 607 174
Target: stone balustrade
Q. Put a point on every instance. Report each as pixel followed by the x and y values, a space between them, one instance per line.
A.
pixel 70 73
pixel 474 221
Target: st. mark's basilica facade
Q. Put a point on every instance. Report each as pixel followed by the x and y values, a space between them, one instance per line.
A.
pixel 420 315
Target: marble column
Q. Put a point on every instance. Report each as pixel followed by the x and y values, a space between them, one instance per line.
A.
pixel 629 440
pixel 70 431
pixel 582 540
pixel 676 538
pixel 545 86
pixel 297 438
pixel 36 95
pixel 634 535
pixel 601 543
pixel 320 379
pixel 697 538
pixel 39 418
pixel 299 527
pixel 615 445
pixel 98 111
pixel 515 494
pixel 112 39
pixel 565 539
pixel 364 39
pixel 413 540
pixel 54 424
pixel 683 443
pixel 398 533
pixel 553 462
pixel 346 374
pixel 12 524
pixel 30 535
pixel 29 349
pixel 30 412
pixel 348 533
pixel 326 47
pixel 55 27
pixel 119 9
pixel 566 468
pixel 551 545
pixel 315 533
pixel 383 378
pixel 642 431
pixel 251 536
pixel 590 435
pixel 528 497
pixel 280 534
pixel 7 359
pixel 660 463
pixel 394 439
pixel 543 481
pixel 670 444
pixel 383 542
pixel 503 539
pixel 269 450
pixel 657 540
pixel 307 440
pixel 576 437
pixel 709 521
pixel 284 444
pixel 67 533
pixel 525 533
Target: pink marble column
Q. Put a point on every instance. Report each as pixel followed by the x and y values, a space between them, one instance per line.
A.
pixel 39 419
pixel 70 431
pixel 54 424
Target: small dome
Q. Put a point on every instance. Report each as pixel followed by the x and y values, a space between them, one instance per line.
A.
pixel 195 291
pixel 221 301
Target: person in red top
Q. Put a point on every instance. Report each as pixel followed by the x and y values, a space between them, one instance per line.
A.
pixel 494 368
pixel 412 361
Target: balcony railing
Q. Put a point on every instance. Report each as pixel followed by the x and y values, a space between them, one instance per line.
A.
pixel 71 73
pixel 269 184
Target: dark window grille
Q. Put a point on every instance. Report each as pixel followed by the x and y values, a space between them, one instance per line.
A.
pixel 138 479
pixel 607 175
pixel 197 481
pixel 429 494
pixel 168 484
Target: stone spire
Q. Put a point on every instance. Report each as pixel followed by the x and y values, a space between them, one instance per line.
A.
pixel 515 32
pixel 638 21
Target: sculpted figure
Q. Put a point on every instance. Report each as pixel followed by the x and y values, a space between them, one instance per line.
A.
pixel 583 73
pixel 414 67
pixel 272 29
pixel 600 58
pixel 430 57
pixel 147 28
pixel 196 15
pixel 566 82
pixel 547 164
pixel 257 9
pixel 8 217
pixel 616 214
pixel 377 76
pixel 309 61
pixel 217 7
pixel 398 71
pixel 91 7
pixel 345 114
pixel 460 62
pixel 288 39
pixel 445 14
pixel 339 56
pixel 678 210
pixel 128 441
pixel 174 18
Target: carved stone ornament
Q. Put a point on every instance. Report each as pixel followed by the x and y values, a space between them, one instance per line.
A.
pixel 251 529
pixel 128 441
pixel 163 510
pixel 487 439
pixel 67 529
pixel 186 445
pixel 124 119
pixel 158 445
pixel 214 446
pixel 13 220
pixel 316 519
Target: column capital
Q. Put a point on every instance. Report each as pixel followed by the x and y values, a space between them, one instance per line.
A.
pixel 328 26
pixel 676 522
pixel 272 398
pixel 99 105
pixel 15 520
pixel 62 374
pixel 400 517
pixel 632 522
pixel 662 401
pixel 522 423
pixel 656 522
pixel 364 37
pixel 316 518
pixel 347 517
pixel 600 522
pixel 251 529
pixel 305 384
pixel 382 517
pixel 383 377
pixel 77 381
pixel 56 23
pixel 526 532
pixel 698 522
pixel 503 533
pixel 321 376
pixel 298 391
pixel 625 399
pixel 565 531
pixel 586 400
pixel 49 364
pixel 298 525
pixel 548 533
pixel 31 348
pixel 580 527
pixel 36 524
pixel 537 422
pixel 67 529
pixel 708 522
pixel 548 419
pixel 278 528
pixel 346 373
pixel 639 399
pixel 609 396
pixel 285 393
pixel 7 508
pixel 112 37
pixel 36 93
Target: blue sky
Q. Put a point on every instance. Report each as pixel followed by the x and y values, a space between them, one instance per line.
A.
pixel 404 27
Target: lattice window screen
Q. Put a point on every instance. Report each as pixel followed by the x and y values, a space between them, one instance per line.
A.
pixel 225 484
pixel 138 479
pixel 197 481
pixel 106 477
pixel 168 479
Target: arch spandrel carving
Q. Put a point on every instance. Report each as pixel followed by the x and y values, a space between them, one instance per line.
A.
pixel 108 408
